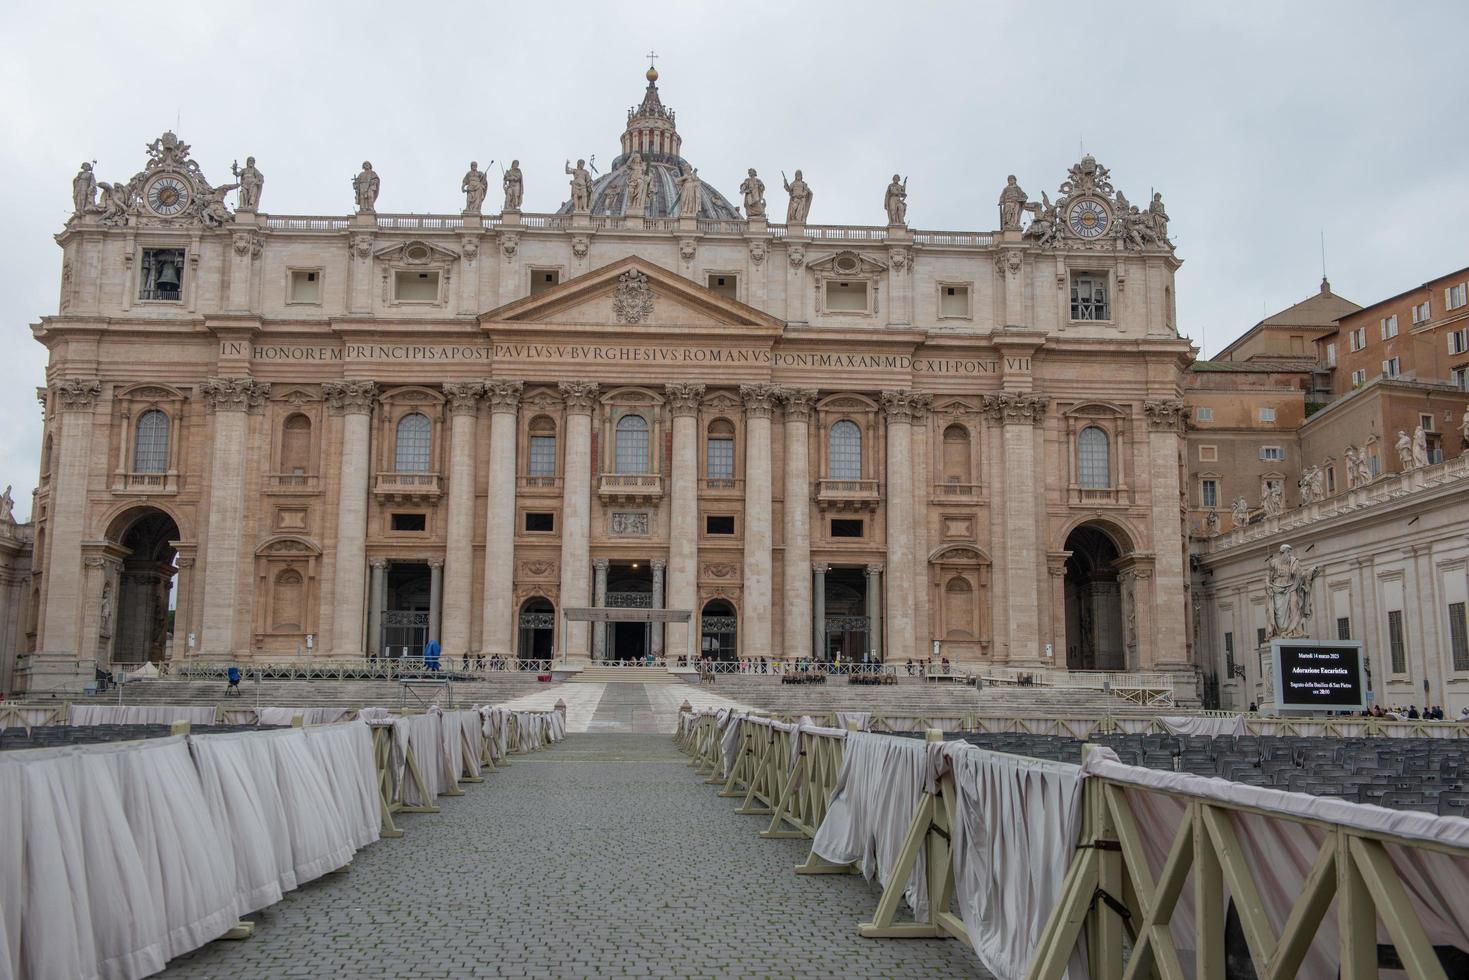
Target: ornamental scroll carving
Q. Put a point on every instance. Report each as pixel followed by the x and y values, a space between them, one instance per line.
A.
pixel 504 396
pixel 72 396
pixel 579 396
pixel 1167 414
pixel 906 406
pixel 463 396
pixel 234 394
pixel 798 403
pixel 632 302
pixel 759 399
pixel 1015 407
pixel 350 397
pixel 684 399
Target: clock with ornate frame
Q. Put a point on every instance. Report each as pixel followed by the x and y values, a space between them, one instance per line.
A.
pixel 1088 218
pixel 167 195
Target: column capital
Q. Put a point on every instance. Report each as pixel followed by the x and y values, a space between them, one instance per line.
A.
pixel 504 396
pixel 798 403
pixel 684 399
pixel 1166 414
pixel 436 563
pixel 379 563
pixel 234 394
pixel 820 567
pixel 350 397
pixel 463 396
pixel 759 399
pixel 579 396
pixel 874 568
pixel 658 564
pixel 906 406
pixel 72 395
pixel 601 564
pixel 1016 407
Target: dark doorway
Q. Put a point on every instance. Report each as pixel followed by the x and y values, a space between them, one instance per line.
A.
pixel 537 630
pixel 719 631
pixel 629 586
pixel 134 616
pixel 847 625
pixel 1094 639
pixel 405 616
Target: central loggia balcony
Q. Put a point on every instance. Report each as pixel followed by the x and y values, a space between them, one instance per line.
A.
pixel 843 495
pixel 407 487
pixel 630 488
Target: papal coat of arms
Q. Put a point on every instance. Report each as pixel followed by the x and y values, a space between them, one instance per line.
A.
pixel 633 300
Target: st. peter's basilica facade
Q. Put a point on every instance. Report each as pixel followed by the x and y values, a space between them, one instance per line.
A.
pixel 348 435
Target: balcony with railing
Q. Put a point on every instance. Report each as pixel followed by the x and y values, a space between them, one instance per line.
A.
pixel 842 495
pixel 151 483
pixel 630 488
pixel 721 486
pixel 407 487
pixel 292 483
pixel 1081 496
pixel 957 491
pixel 540 484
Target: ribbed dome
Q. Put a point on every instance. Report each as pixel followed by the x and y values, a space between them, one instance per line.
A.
pixel 653 137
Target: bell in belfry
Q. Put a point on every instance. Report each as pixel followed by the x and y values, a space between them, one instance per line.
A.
pixel 168 275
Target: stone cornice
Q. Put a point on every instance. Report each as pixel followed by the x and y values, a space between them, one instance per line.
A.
pixel 684 399
pixel 579 396
pixel 504 396
pixel 759 400
pixel 73 395
pixel 463 396
pixel 1010 408
pixel 350 397
pixel 234 394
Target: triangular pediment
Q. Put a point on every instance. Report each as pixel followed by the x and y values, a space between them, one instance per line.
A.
pixel 633 293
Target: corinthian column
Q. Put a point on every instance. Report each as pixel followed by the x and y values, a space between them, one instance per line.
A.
pixel 576 508
pixel 71 404
pixel 498 639
pixel 353 401
pixel 229 400
pixel 796 559
pixel 683 510
pixel 457 582
pixel 755 633
pixel 899 407
pixel 1019 413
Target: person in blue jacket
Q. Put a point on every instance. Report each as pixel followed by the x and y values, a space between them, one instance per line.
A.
pixel 431 655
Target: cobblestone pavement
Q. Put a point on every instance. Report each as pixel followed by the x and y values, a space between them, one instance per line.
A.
pixel 602 856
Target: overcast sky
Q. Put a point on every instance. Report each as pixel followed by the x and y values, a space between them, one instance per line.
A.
pixel 1263 124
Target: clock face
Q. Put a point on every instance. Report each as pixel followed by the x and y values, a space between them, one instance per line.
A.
pixel 1087 219
pixel 168 196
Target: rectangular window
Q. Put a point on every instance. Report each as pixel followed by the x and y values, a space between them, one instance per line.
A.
pixel 1459 341
pixel 846 528
pixel 1460 378
pixel 542 280
pixel 1426 421
pixel 1343 628
pixel 1331 355
pixel 1359 377
pixel 1210 493
pixel 1422 312
pixel 1390 367
pixel 542 456
pixel 1454 297
pixel 1260 637
pixel 416 287
pixel 305 286
pixel 954 301
pixel 1228 656
pixel 1389 327
pixel 1274 453
pixel 719 524
pixel 1208 454
pixel 846 297
pixel 162 274
pixel 1089 297
pixel 1395 641
pixel 720 461
pixel 1267 414
pixel 1358 338
pixel 539 523
pixel 1458 636
pixel 724 284
pixel 410 522
pixel 1203 414
pixel 1331 479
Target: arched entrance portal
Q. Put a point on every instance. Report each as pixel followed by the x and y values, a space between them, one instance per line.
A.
pixel 134 617
pixel 537 630
pixel 1094 627
pixel 719 631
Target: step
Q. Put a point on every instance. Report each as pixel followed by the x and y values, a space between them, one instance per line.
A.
pixel 624 675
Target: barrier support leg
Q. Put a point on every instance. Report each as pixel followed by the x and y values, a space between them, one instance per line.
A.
pixel 243 929
pixel 883 925
pixel 816 866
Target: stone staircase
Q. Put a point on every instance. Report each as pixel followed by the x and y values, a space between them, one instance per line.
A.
pixel 321 692
pixel 596 674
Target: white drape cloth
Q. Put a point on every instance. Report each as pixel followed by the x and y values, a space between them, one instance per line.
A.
pixel 877 791
pixel 1204 724
pixel 140 714
pixel 417 736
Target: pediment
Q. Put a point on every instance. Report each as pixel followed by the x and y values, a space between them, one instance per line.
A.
pixel 630 294
pixel 846 264
pixel 415 252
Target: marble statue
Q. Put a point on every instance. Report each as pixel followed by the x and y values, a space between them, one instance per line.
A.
pixel 1359 470
pixel 1239 512
pixel 1211 523
pixel 1404 446
pixel 212 210
pixel 688 192
pixel 1464 429
pixel 514 186
pixel 638 177
pixel 1012 205
pixel 106 612
pixel 84 190
pixel 1045 219
pixel 895 201
pixel 7 507
pixel 800 192
pixel 365 186
pixel 118 201
pixel 475 186
pixel 1420 447
pixel 1312 485
pixel 1288 594
pixel 581 186
pixel 1274 501
pixel 1158 218
pixel 754 190
pixel 252 182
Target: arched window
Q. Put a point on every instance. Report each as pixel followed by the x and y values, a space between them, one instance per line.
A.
pixel 844 452
pixel 150 449
pixel 956 455
pixel 1093 456
pixel 541 460
pixel 632 445
pixel 415 438
pixel 295 445
pixel 288 601
pixel 719 454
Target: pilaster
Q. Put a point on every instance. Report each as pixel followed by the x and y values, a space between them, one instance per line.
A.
pixel 580 397
pixel 353 401
pixel 683 513
pixel 796 512
pixel 498 630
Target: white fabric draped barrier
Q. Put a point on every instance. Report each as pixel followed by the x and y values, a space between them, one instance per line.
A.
pixel 1210 725
pixel 140 714
pixel 117 857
